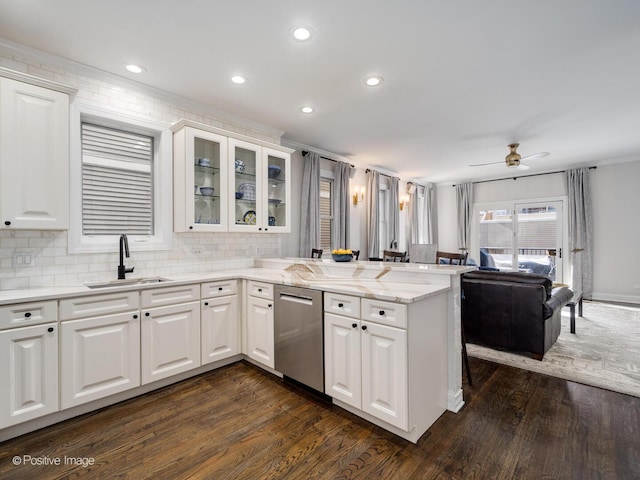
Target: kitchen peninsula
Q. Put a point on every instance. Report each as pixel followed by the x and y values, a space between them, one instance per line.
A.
pixel 425 297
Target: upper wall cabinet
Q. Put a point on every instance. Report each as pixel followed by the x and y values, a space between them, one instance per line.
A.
pixel 229 182
pixel 34 152
pixel 200 181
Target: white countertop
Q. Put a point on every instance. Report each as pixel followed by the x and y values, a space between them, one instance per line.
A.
pixel 298 273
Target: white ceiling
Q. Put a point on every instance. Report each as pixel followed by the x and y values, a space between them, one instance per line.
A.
pixel 461 79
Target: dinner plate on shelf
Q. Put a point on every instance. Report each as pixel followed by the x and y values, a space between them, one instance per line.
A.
pixel 249 217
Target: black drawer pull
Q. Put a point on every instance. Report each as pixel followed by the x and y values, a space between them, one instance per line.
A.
pixel 259 290
pixel 27 315
pixel 206 304
pixel 135 317
pixel 146 314
pixel 341 305
pixel 381 313
pixel 7 223
pixel 50 329
pixel 364 327
pixel 219 289
pixel 270 305
pixel 354 325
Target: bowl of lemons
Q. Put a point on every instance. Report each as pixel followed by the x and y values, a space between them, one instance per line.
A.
pixel 342 255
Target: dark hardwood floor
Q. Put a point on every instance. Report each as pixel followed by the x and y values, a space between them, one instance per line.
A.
pixel 242 423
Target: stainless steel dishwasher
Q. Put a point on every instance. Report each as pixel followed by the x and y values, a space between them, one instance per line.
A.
pixel 299 351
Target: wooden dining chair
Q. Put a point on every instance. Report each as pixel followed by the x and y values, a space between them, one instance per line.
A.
pixel 356 254
pixel 316 253
pixel 392 256
pixel 451 258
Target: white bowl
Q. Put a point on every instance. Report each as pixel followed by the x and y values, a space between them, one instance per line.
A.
pixel 207 191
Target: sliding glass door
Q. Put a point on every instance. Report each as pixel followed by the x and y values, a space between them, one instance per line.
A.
pixel 525 237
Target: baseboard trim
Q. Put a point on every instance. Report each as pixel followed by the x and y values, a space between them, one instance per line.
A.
pixel 613 297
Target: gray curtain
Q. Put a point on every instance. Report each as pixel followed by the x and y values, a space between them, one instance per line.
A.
pixel 310 205
pixel 394 213
pixel 580 230
pixel 422 227
pixel 464 203
pixel 340 206
pixel 373 238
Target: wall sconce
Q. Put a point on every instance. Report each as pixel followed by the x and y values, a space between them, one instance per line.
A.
pixel 404 201
pixel 358 195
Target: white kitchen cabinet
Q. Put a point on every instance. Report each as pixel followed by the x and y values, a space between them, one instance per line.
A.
pixel 261 186
pixel 220 323
pixel 200 181
pixel 260 324
pixel 343 359
pixel 34 154
pixel 366 364
pixel 99 356
pixel 170 340
pixel 384 373
pixel 28 373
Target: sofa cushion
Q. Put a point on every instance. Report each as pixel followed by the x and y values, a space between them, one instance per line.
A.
pixel 516 277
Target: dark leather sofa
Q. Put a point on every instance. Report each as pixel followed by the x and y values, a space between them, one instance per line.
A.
pixel 512 310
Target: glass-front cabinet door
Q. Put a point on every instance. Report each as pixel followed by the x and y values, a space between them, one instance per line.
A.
pixel 245 181
pixel 204 176
pixel 278 190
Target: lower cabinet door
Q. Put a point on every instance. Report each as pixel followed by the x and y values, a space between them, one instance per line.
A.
pixel 28 373
pixel 170 339
pixel 100 356
pixel 220 328
pixel 260 335
pixel 384 373
pixel 342 359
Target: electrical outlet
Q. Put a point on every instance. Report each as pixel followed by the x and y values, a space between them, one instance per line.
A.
pixel 26 258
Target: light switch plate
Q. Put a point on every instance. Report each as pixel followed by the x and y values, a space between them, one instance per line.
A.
pixel 25 258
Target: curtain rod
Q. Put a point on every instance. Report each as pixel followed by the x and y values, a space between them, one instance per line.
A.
pixel 305 153
pixel 522 176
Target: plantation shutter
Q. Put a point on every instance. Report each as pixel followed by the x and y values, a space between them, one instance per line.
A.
pixel 116 182
pixel 326 218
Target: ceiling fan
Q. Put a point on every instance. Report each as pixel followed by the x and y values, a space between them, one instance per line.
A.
pixel 513 160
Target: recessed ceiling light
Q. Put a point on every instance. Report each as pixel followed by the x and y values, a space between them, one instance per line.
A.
pixel 134 68
pixel 306 109
pixel 302 34
pixel 373 81
pixel 238 79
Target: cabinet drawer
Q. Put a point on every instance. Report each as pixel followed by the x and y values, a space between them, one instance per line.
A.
pixel 386 313
pixel 158 297
pixel 220 288
pixel 260 289
pixel 342 304
pixel 96 305
pixel 25 314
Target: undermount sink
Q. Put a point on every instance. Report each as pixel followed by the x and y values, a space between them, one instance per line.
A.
pixel 127 281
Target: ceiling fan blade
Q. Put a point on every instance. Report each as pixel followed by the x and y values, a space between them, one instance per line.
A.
pixel 522 166
pixel 536 155
pixel 485 164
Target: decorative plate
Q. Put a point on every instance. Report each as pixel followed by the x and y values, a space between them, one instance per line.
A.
pixel 249 217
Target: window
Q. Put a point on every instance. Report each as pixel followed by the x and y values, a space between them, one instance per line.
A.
pixel 117 185
pixel 326 215
pixel 383 215
pixel 120 182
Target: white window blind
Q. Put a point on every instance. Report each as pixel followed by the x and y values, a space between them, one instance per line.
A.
pixel 326 217
pixel 117 183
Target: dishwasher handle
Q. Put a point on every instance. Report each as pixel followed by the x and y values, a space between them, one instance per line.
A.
pixel 292 297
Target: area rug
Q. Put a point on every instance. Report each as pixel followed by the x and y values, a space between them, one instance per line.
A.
pixel 604 352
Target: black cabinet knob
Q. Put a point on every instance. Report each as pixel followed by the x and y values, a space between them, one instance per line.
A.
pixel 146 314
pixel 364 327
pixel 50 329
pixel 190 227
pixel 340 305
pixel 259 290
pixel 206 304
pixel 219 289
pixel 354 325
pixel 270 305
pixel 7 223
pixel 135 316
pixel 27 315
pixel 381 313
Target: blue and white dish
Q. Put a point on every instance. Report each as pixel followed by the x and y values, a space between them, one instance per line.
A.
pixel 274 171
pixel 204 162
pixel 240 166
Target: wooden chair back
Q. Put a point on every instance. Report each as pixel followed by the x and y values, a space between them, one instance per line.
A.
pixel 392 256
pixel 451 258
pixel 316 253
